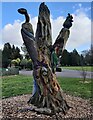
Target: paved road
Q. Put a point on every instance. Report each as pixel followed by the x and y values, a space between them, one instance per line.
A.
pixel 64 73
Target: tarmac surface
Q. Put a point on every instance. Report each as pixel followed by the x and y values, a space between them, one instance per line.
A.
pixel 64 73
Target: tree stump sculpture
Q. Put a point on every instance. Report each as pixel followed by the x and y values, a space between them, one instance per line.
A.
pixel 47 95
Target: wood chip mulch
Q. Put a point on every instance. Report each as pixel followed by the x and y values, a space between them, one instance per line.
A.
pixel 81 109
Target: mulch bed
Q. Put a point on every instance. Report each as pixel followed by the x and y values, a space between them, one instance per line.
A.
pixel 11 106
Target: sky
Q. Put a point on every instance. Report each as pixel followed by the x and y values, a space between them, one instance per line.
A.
pixel 80 32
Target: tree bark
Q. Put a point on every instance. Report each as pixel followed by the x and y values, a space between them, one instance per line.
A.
pixel 47 96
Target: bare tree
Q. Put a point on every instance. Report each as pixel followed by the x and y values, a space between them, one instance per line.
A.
pixel 84 73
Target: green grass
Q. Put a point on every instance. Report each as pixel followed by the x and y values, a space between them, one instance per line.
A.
pixel 87 68
pixel 18 85
pixel 76 87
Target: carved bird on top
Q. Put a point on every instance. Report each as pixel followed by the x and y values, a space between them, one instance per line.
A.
pixel 68 21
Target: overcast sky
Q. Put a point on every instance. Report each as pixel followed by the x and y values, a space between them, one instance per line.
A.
pixel 80 32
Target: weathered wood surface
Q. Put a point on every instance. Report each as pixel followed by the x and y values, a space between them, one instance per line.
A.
pixel 47 95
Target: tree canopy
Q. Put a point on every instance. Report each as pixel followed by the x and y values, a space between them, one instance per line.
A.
pixel 9 53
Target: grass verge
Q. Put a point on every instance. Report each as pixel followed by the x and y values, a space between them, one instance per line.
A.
pixel 87 68
pixel 16 85
pixel 19 84
pixel 76 87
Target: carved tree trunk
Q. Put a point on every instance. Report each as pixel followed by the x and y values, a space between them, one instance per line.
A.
pixel 47 96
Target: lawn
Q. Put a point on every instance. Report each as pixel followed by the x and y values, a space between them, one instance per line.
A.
pixel 76 87
pixel 87 68
pixel 18 85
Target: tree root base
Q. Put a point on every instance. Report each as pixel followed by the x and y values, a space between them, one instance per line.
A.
pixel 45 111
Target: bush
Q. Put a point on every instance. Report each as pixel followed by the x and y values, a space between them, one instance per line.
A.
pixel 23 63
pixel 29 64
pixel 5 62
pixel 10 71
pixel 18 67
pixel 15 61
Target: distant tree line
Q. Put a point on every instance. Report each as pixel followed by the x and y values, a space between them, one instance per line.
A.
pixel 11 55
pixel 75 59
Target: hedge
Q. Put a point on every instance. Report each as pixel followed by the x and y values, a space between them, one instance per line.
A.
pixel 9 71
